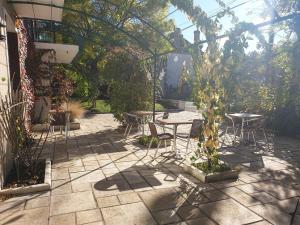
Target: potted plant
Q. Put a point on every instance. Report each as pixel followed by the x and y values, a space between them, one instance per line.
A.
pixel 205 164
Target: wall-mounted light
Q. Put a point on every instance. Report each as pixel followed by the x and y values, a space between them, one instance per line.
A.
pixel 2 32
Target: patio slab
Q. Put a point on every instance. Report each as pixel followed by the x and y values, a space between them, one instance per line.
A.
pixel 61 204
pixel 98 178
pixel 130 214
pixel 229 212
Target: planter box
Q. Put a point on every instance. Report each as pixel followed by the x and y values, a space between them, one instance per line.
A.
pixel 46 186
pixel 211 177
pixel 45 126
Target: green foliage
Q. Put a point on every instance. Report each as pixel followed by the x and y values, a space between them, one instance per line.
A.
pixel 214 167
pixel 102 106
pixel 130 88
pixel 145 140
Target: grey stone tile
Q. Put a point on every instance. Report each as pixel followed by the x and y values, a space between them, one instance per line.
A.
pixel 64 219
pixel 189 212
pixel 74 202
pixel 272 214
pixel 264 197
pixel 158 200
pixel 61 187
pixel 202 221
pixel 37 203
pixel 166 216
pixel 38 216
pixel 215 195
pixel 108 201
pixel 89 216
pixel 228 211
pixel 129 198
pixel 130 214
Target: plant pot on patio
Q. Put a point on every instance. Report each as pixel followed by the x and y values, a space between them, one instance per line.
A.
pixel 13 187
pixel 221 174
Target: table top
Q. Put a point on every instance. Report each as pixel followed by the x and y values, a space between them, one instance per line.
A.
pixel 174 121
pixel 245 115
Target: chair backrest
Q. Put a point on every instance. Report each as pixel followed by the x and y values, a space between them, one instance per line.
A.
pixel 258 122
pixel 195 129
pixel 229 120
pixel 153 129
pixel 131 118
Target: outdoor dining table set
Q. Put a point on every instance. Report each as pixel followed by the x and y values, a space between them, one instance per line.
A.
pixel 239 122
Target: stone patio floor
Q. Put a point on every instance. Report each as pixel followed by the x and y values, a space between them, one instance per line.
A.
pixel 98 178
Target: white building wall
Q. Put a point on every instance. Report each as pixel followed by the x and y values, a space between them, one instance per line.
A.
pixel 5 18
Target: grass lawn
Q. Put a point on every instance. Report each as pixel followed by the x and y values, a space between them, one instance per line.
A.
pixel 104 107
pixel 101 106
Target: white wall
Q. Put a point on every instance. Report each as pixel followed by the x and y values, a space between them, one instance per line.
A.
pixel 5 155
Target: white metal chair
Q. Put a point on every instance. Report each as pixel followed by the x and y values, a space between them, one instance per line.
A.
pixel 193 134
pixel 255 125
pixel 160 137
pixel 131 120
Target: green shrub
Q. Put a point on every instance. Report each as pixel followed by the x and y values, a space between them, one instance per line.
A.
pixel 145 140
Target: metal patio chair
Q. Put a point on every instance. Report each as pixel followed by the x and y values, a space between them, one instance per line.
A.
pixel 161 137
pixel 193 134
pixel 253 126
pixel 130 120
pixel 231 124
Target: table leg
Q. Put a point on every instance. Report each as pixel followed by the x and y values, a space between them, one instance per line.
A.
pixel 242 130
pixel 174 144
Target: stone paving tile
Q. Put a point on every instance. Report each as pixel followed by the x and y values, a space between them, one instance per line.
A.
pixel 59 174
pixel 37 203
pixel 129 198
pixel 248 188
pixel 130 214
pixel 110 187
pixel 89 216
pixel 215 195
pixel 278 189
pixel 157 200
pixel 228 211
pixel 272 214
pixel 61 187
pixel 189 212
pixel 38 216
pixel 74 202
pixel 264 197
pixel 240 196
pixel 108 201
pixel 202 221
pixel 64 219
pixel 78 186
pixel 166 216
pixel 10 208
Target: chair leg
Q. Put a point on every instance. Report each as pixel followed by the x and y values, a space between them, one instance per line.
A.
pixel 187 146
pixel 235 134
pixel 158 145
pixel 166 145
pixel 265 135
pixel 130 126
pixel 151 141
pixel 126 130
pixel 253 138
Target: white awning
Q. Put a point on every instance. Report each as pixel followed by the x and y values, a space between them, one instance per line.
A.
pixel 40 11
pixel 64 53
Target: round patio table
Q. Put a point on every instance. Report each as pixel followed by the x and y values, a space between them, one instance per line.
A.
pixel 244 117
